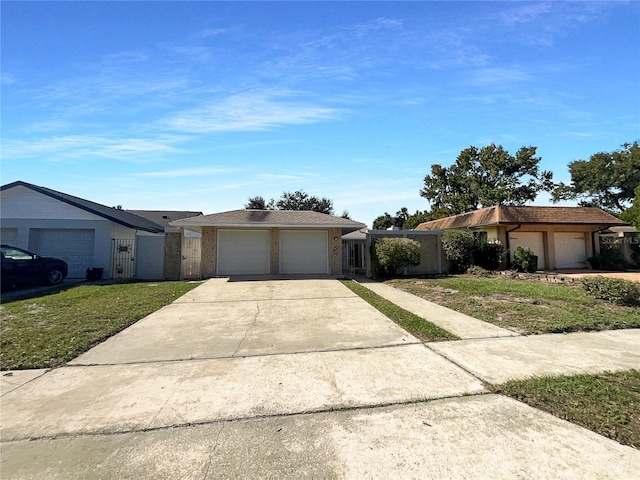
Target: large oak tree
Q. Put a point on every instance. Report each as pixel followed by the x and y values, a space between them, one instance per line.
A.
pixel 482 177
pixel 606 180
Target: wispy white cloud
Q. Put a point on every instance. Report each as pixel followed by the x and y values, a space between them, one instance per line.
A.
pixel 499 76
pixel 542 23
pixel 7 79
pixel 190 172
pixel 250 112
pixel 59 148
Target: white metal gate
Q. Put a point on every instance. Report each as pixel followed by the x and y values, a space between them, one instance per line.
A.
pixel 123 263
pixel 353 257
pixel 191 257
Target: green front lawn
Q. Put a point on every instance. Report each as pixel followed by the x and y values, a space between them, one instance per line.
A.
pixel 608 403
pixel 50 330
pixel 524 306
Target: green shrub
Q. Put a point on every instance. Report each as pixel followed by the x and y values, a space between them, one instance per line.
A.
pixel 458 247
pixel 395 253
pixel 488 255
pixel 613 290
pixel 635 251
pixel 478 271
pixel 609 259
pixel 524 260
pixel 376 269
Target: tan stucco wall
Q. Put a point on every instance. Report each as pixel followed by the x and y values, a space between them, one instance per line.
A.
pixel 429 245
pixel 208 252
pixel 335 251
pixel 172 256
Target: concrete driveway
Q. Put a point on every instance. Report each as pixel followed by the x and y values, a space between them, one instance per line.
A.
pixel 281 378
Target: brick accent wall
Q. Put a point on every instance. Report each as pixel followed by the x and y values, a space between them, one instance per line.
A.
pixel 208 251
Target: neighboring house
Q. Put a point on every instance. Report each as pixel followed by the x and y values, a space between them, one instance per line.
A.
pixel 83 233
pixel 263 242
pixel 188 244
pixel 561 237
pixel 626 239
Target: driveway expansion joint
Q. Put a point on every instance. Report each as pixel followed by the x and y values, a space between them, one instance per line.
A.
pixel 249 355
pixel 225 421
pixel 292 299
pixel 466 370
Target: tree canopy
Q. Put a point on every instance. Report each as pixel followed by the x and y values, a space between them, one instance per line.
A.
pixel 484 177
pixel 257 203
pixel 402 219
pixel 632 214
pixel 606 180
pixel 298 200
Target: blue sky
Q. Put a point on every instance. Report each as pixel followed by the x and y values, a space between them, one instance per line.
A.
pixel 201 105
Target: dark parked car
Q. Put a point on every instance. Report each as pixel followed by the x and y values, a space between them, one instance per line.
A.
pixel 21 267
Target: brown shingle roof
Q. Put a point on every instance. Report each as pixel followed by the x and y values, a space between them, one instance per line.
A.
pixel 357 235
pixel 505 215
pixel 269 218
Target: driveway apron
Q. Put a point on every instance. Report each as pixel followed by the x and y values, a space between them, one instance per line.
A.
pixel 236 350
pixel 281 378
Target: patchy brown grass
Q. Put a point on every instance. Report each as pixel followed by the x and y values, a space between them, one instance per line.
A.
pixel 523 306
pixel 607 403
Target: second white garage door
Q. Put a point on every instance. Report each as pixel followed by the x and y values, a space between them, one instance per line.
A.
pixel 304 252
pixel 570 250
pixel 243 252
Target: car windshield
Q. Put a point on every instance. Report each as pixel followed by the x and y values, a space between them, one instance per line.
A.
pixel 15 254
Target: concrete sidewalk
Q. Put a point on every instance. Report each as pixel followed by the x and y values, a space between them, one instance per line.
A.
pixel 457 323
pixel 475 437
pixel 287 379
pixel 497 355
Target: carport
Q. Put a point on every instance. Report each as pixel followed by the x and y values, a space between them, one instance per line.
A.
pixel 270 242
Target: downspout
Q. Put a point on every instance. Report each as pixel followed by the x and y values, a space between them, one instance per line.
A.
pixel 509 246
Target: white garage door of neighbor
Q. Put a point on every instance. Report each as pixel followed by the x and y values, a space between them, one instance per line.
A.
pixel 74 246
pixel 9 236
pixel 571 251
pixel 304 252
pixel 532 240
pixel 243 252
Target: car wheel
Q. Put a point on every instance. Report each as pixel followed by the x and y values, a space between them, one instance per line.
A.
pixel 54 276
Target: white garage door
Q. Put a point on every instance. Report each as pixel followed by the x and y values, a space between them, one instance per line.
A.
pixel 304 252
pixel 532 240
pixel 243 252
pixel 9 236
pixel 74 246
pixel 571 250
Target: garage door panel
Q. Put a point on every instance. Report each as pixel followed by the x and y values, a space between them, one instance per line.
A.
pixel 9 236
pixel 570 248
pixel 304 252
pixel 243 252
pixel 532 240
pixel 74 246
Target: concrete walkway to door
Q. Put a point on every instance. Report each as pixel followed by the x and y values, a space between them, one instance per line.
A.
pixel 282 378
